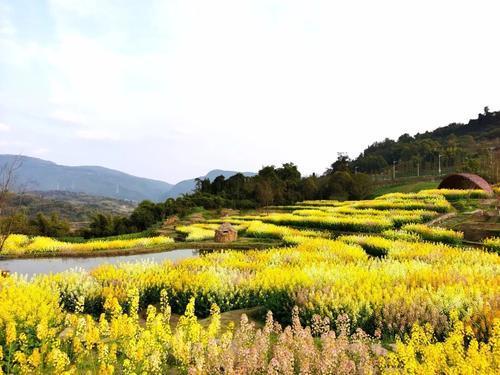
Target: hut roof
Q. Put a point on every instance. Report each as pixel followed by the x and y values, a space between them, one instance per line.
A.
pixel 465 181
pixel 226 227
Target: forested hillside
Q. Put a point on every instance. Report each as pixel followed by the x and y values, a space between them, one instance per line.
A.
pixel 470 147
pixel 55 213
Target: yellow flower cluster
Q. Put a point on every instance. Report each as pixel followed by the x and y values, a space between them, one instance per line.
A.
pixel 195 233
pixel 433 193
pixel 456 193
pixel 434 233
pixel 492 243
pixel 21 244
pixel 459 353
pixel 259 229
pixel 400 235
pixel 332 222
pixel 331 203
pixel 373 245
pixel 397 215
pixel 413 201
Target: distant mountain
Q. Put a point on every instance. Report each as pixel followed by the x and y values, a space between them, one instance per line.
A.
pixel 42 175
pixel 45 176
pixel 188 186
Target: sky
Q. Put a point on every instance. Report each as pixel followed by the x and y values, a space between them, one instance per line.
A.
pixel 172 89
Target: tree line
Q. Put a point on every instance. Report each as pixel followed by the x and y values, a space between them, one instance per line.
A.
pixel 271 186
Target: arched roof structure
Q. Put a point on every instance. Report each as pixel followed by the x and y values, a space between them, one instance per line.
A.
pixel 465 181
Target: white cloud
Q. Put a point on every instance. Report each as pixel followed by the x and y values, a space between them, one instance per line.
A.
pixel 67 116
pixel 7 29
pixel 39 151
pixel 81 8
pixel 4 127
pixel 97 135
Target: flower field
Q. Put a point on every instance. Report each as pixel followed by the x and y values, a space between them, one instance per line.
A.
pixel 392 296
pixel 21 244
pixel 374 216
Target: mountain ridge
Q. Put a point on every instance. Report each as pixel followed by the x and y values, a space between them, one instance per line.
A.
pixel 36 174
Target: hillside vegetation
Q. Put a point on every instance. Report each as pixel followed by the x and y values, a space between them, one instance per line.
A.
pixel 471 147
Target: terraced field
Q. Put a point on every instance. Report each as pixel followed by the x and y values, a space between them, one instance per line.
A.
pixel 356 287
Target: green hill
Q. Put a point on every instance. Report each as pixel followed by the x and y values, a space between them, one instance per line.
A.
pixel 469 147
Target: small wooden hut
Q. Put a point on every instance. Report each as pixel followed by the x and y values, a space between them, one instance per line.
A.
pixel 226 233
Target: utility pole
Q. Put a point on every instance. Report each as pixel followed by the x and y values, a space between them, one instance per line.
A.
pixel 418 169
pixel 490 149
pixel 394 169
pixel 439 164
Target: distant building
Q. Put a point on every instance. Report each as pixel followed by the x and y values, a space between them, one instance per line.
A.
pixel 226 233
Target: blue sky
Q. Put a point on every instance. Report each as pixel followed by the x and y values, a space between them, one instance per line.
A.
pixel 172 89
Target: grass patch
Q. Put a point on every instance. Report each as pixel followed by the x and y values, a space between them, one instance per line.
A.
pixel 408 187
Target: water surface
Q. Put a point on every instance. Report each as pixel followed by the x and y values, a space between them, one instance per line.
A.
pixel 35 266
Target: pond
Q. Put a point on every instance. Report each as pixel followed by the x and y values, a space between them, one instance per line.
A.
pixel 35 266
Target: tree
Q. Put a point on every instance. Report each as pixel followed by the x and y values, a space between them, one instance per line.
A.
pixel 218 185
pixel 361 186
pixel 405 138
pixel 337 185
pixel 146 214
pixel 21 224
pixel 371 164
pixel 310 187
pixel 51 226
pixel 268 182
pixel 290 180
pixel 235 186
pixel 100 226
pixel 197 184
pixel 264 192
pixel 8 212
pixel 288 172
pixel 342 164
